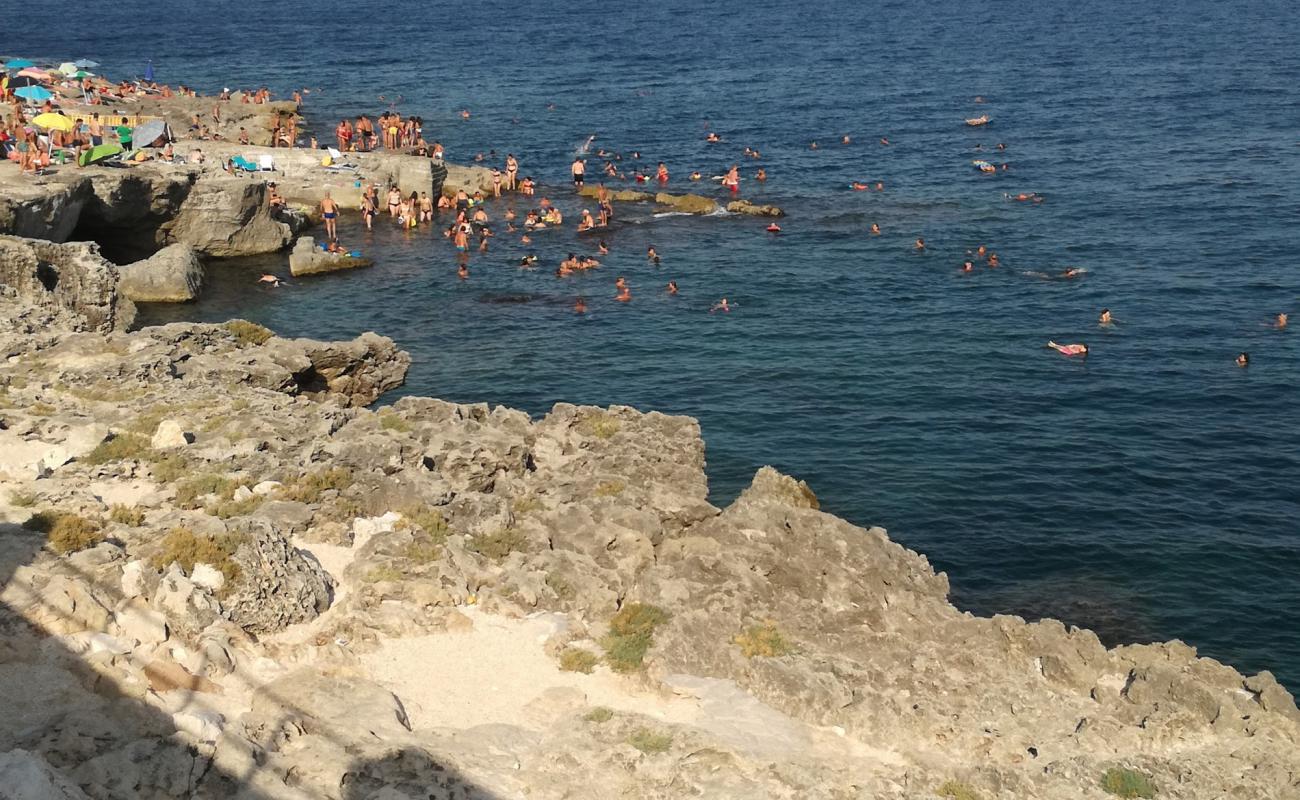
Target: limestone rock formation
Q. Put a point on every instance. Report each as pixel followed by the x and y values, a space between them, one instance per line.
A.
pixel 73 277
pixel 227 216
pixel 172 275
pixel 308 259
pixel 746 207
pixel 688 203
pixel 277 587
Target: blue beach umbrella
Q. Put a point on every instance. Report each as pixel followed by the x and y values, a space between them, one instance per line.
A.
pixel 34 93
pixel 20 63
pixel 85 63
pixel 148 71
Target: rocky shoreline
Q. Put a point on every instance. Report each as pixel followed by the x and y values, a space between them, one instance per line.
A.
pixel 224 575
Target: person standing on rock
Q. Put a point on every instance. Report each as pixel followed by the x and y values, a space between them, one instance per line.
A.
pixel 329 211
pixel 512 172
pixel 579 170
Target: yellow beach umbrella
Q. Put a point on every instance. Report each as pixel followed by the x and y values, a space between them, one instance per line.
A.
pixel 54 122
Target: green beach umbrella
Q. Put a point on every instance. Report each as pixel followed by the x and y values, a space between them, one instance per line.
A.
pixel 97 154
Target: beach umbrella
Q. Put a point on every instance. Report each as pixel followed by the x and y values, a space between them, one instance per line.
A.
pixel 19 63
pixel 54 122
pixel 85 63
pixel 23 80
pixel 148 133
pixel 148 70
pixel 32 72
pixel 34 93
pixel 67 68
pixel 97 154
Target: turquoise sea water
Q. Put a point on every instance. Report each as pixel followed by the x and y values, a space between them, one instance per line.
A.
pixel 1150 491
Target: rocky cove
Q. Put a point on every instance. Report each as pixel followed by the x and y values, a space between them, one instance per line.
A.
pixel 226 575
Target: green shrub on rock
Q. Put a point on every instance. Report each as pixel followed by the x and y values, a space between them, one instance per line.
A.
pixel 23 499
pixel 765 640
pixel 649 742
pixel 184 547
pixel 598 715
pixel 955 790
pixel 631 632
pixel 308 488
pixel 575 659
pixel 68 533
pixel 190 490
pixel 1123 782
pixel 248 333
pixel 499 544
pixel 120 448
pixel 126 515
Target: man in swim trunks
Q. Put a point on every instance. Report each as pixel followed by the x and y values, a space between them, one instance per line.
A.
pixel 579 170
pixel 1069 349
pixel 329 211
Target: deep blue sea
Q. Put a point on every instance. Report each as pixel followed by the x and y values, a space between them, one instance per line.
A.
pixel 1150 491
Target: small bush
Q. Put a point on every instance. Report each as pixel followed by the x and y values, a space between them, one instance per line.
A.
pixel 602 426
pixel 225 509
pixel 610 488
pixel 631 631
pixel 23 499
pixel 120 448
pixel 41 521
pixel 562 588
pixel 190 490
pixel 649 742
pixel 525 505
pixel 126 515
pixel 575 659
pixel 184 547
pixel 955 790
pixel 764 640
pixel 148 422
pixel 384 573
pixel 68 533
pixel 392 422
pixel 598 715
pixel 171 467
pixel 308 488
pixel 248 333
pixel 499 544
pixel 428 520
pixel 41 409
pixel 421 551
pixel 1123 782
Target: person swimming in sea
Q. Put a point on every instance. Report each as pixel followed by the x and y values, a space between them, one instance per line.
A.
pixel 859 186
pixel 602 248
pixel 993 260
pixel 920 244
pixel 773 228
pixel 462 272
pixel 528 262
pixel 875 229
pixel 672 287
pixel 580 306
pixel 695 176
pixel 712 137
pixel 967 266
pixel 1069 349
pixel 651 255
pixel 1242 359
pixel 721 305
pixel 1105 318
pixel 1281 321
pixel 270 279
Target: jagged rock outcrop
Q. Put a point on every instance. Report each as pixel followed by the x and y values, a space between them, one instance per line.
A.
pixel 172 275
pixel 277 587
pixel 226 216
pixel 746 207
pixel 764 649
pixel 72 277
pixel 687 203
pixel 308 259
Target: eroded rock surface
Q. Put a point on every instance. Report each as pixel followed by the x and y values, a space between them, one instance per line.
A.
pixel 304 597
